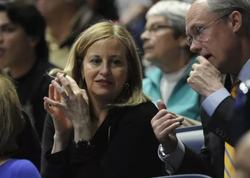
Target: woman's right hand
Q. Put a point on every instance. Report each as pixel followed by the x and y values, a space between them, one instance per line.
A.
pixel 63 126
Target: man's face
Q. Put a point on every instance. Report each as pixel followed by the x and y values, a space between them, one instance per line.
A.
pixel 217 42
pixel 48 7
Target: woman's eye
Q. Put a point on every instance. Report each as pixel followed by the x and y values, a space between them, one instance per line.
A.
pixel 8 28
pixel 116 62
pixel 96 61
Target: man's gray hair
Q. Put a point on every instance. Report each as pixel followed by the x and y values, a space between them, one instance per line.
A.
pixel 174 11
pixel 224 7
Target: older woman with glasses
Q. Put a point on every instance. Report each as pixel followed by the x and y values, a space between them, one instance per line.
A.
pixel 165 47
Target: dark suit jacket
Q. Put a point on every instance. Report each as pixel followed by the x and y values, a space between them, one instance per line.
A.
pixel 217 129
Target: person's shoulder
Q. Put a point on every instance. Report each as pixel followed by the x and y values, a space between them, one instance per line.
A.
pixel 46 66
pixel 24 168
pixel 143 110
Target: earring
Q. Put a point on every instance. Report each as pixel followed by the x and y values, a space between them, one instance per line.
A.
pixel 126 85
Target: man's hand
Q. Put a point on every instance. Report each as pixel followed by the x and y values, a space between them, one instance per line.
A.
pixel 164 124
pixel 205 79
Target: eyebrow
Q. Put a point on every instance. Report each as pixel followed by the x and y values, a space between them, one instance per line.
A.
pixel 112 56
pixel 156 23
pixel 193 26
pixel 5 24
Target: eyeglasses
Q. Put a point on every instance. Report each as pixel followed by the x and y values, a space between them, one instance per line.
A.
pixel 199 34
pixel 156 28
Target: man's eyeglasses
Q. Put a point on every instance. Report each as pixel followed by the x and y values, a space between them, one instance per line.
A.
pixel 199 34
pixel 156 28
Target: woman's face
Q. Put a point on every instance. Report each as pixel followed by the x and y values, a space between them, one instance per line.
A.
pixel 105 69
pixel 159 43
pixel 15 44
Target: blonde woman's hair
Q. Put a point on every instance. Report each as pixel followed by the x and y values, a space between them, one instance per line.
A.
pixel 10 115
pixel 133 95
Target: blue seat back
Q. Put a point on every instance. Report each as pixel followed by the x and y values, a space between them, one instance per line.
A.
pixel 186 176
pixel 191 136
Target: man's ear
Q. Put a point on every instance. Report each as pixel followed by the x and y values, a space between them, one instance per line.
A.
pixel 236 20
pixel 33 40
pixel 182 41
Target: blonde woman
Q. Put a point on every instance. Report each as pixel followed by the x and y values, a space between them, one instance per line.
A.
pixel 12 123
pixel 99 124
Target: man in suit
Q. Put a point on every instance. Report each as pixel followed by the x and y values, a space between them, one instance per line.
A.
pixel 219 31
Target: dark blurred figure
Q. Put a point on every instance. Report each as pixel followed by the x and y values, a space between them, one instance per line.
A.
pixel 24 54
pixel 242 157
pixel 105 8
pixel 242 110
pixel 12 124
pixel 65 19
pixel 132 15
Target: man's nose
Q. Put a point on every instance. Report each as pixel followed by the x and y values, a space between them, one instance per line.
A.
pixel 195 46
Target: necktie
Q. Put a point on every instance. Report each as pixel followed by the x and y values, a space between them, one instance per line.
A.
pixel 229 168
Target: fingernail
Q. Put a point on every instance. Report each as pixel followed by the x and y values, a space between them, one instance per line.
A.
pixel 59 74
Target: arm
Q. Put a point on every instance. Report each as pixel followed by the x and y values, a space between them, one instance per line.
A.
pixel 164 124
pixel 52 165
pixel 184 160
pixel 221 122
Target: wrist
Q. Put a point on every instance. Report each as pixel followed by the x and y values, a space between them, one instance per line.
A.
pixel 83 143
pixel 169 146
pixel 60 143
pixel 213 90
pixel 62 136
pixel 82 132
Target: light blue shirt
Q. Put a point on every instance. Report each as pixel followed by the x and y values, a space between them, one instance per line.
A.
pixel 213 101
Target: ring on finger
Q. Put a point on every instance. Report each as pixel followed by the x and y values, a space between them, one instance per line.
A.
pixel 65 97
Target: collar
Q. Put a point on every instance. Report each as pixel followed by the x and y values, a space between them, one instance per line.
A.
pixel 155 74
pixel 244 73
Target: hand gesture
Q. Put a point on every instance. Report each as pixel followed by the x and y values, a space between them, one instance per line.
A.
pixel 205 79
pixel 74 104
pixel 164 124
pixel 62 125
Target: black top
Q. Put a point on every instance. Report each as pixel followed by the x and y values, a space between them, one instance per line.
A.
pixel 31 88
pixel 125 146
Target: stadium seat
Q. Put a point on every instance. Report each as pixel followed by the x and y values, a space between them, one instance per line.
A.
pixel 191 136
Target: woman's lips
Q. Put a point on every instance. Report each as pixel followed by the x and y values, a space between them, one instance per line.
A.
pixel 104 82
